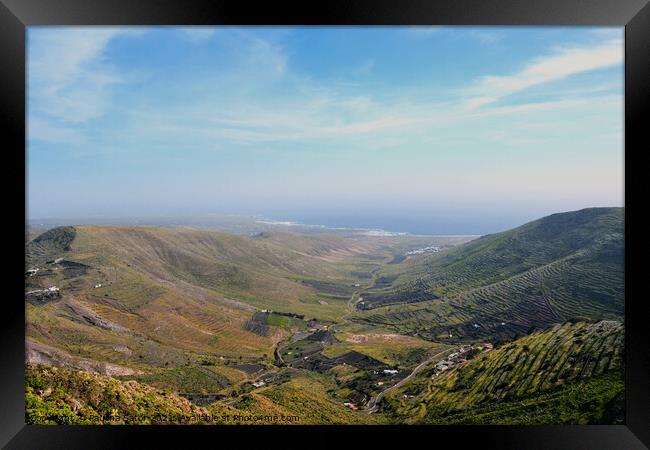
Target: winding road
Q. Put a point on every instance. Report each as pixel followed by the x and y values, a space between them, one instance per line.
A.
pixel 373 403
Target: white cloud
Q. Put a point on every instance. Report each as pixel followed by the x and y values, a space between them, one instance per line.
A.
pixel 609 101
pixel 336 117
pixel 79 89
pixel 68 78
pixel 476 102
pixel 563 63
pixel 361 127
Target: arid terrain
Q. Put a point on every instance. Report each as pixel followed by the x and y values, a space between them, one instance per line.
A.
pixel 261 322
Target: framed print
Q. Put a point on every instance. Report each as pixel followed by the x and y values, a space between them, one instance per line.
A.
pixel 365 218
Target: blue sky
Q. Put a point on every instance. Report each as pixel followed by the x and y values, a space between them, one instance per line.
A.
pixel 466 129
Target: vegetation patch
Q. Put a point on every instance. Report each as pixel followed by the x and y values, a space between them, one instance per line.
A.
pixel 544 366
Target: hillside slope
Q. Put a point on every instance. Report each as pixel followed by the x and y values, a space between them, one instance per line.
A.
pixel 48 245
pixel 571 373
pixel 491 258
pixel 561 267
pixel 63 396
pixel 153 300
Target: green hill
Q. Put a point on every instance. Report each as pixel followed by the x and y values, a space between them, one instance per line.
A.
pixel 597 232
pixel 561 267
pixel 63 396
pixel 571 373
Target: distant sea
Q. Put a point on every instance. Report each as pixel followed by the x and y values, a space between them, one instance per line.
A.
pixel 417 224
pixel 457 222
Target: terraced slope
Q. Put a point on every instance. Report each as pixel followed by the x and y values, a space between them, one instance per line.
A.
pixel 571 373
pixel 49 245
pixel 564 266
pixel 492 258
pixel 32 232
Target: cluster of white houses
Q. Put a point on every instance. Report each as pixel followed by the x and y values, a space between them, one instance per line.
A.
pixel 459 358
pixel 432 249
pixel 43 291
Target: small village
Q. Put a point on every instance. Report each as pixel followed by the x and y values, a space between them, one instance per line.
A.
pixel 461 356
pixel 456 358
pixel 39 296
pixel 430 249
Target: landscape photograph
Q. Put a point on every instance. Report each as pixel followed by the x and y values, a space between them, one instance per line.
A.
pixel 239 225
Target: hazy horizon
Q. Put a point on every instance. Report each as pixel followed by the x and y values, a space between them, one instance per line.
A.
pixel 459 225
pixel 427 130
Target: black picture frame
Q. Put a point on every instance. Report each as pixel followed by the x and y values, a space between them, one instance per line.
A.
pixel 16 15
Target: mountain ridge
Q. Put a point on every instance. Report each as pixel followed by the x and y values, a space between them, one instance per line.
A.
pixel 560 267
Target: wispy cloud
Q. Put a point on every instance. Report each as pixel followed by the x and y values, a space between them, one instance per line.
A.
pixel 560 64
pixel 237 113
pixel 69 80
pixel 78 91
pixel 68 74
